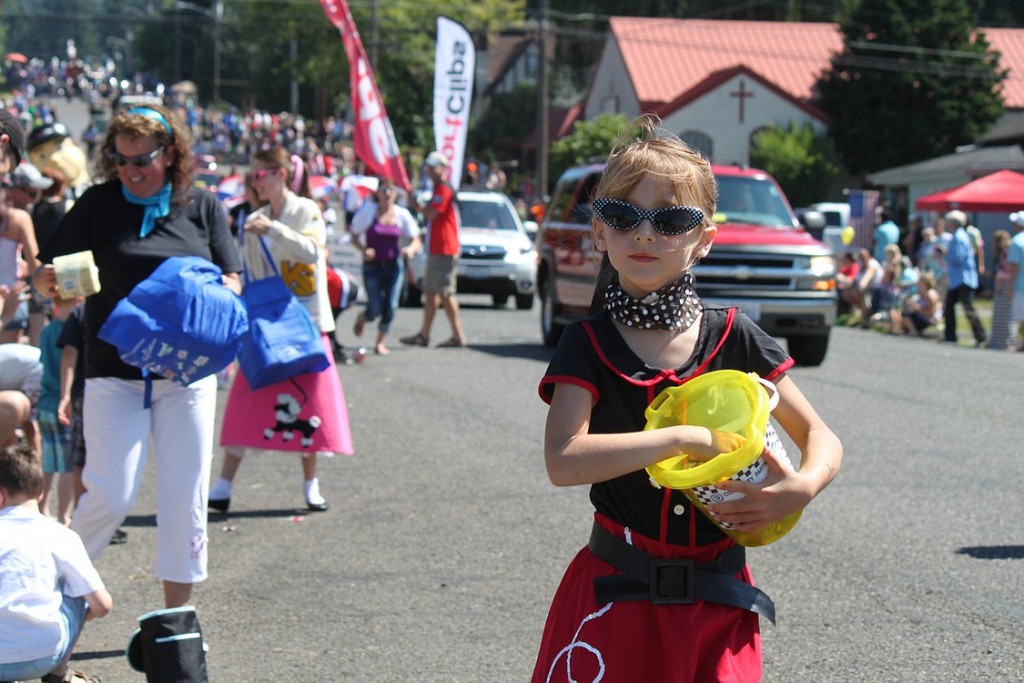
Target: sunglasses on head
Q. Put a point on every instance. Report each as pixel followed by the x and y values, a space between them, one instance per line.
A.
pixel 671 220
pixel 139 160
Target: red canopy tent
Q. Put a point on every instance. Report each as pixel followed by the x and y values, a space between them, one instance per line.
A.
pixel 1000 191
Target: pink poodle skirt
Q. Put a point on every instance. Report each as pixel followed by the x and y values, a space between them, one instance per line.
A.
pixel 302 414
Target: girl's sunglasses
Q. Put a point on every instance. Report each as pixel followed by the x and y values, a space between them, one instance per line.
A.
pixel 138 161
pixel 669 221
pixel 261 174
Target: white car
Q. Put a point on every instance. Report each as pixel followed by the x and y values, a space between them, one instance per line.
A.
pixel 837 217
pixel 497 256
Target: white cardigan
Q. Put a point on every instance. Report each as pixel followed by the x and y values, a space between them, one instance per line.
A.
pixel 297 240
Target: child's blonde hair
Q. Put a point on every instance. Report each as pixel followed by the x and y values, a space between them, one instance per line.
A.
pixel 644 150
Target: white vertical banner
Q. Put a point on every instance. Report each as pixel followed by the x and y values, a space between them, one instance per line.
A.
pixel 454 66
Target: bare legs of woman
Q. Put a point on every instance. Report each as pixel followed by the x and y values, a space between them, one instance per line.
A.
pixel 177 594
pixel 220 492
pixel 311 486
pixel 380 349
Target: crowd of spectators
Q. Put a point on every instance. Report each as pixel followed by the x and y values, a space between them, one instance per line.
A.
pixel 911 282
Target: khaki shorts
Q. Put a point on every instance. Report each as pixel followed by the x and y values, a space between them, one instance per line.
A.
pixel 441 275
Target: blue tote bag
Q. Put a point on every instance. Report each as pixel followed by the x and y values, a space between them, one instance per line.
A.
pixel 181 322
pixel 282 341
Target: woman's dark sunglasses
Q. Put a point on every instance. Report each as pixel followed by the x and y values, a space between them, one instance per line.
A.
pixel 139 160
pixel 671 220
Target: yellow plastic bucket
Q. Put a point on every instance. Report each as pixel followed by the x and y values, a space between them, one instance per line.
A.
pixel 729 401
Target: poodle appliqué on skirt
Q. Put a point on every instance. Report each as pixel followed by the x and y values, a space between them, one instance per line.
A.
pixel 286 414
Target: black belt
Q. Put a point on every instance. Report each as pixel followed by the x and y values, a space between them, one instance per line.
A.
pixel 674 582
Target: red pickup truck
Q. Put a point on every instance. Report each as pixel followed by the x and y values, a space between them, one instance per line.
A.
pixel 762 260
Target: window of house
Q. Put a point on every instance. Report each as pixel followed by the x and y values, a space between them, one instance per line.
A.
pixel 609 104
pixel 530 62
pixel 699 141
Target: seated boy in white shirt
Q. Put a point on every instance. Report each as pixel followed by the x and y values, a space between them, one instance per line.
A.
pixel 49 587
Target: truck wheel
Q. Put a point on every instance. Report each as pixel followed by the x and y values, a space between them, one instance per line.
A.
pixel 524 302
pixel 808 350
pixel 550 331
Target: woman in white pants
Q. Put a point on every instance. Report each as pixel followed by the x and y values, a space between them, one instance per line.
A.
pixel 146 211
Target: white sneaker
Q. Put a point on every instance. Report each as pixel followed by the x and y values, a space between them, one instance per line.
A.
pixel 220 490
pixel 314 501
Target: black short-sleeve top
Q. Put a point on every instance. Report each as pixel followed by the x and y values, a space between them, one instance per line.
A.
pixel 105 223
pixel 593 355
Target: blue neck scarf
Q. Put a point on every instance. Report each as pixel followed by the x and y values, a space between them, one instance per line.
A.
pixel 157 206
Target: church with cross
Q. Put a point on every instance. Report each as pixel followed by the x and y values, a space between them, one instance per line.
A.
pixel 716 83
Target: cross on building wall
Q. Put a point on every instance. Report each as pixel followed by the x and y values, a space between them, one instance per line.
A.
pixel 742 94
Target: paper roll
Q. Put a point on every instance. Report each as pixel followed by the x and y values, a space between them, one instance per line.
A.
pixel 77 275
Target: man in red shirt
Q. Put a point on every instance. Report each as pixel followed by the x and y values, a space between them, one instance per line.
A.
pixel 442 257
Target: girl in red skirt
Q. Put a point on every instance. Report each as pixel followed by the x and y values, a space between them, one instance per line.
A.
pixel 660 593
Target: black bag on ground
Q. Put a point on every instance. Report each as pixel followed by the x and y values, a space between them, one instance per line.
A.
pixel 168 647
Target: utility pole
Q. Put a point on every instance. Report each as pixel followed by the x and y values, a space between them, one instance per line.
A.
pixel 373 37
pixel 177 45
pixel 218 14
pixel 542 104
pixel 293 57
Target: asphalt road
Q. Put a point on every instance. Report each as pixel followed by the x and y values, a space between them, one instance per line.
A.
pixel 445 540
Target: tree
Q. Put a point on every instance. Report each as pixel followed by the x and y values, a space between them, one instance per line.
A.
pixel 266 44
pixel 914 81
pixel 803 162
pixel 499 132
pixel 588 139
pixel 401 35
pixel 41 28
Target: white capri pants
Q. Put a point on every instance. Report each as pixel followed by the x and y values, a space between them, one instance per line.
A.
pixel 117 432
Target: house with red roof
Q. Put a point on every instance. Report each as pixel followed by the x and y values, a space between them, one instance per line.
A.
pixel 715 83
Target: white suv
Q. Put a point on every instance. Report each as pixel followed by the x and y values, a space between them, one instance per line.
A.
pixel 497 256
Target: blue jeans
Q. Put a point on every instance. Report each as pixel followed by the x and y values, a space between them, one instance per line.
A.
pixel 383 282
pixel 72 613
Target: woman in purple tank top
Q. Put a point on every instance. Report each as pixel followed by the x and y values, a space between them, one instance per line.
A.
pixel 386 234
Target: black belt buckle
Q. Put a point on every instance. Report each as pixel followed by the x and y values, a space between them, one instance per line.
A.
pixel 672 582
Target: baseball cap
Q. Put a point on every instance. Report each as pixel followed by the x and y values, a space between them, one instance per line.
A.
pixel 436 159
pixel 27 175
pixel 10 126
pixel 1017 218
pixel 45 133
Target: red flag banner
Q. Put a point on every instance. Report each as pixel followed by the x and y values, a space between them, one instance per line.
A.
pixel 373 138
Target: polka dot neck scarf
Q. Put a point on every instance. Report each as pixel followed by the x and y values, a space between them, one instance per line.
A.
pixel 673 307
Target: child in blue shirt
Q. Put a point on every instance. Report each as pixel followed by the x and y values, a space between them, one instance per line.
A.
pixel 55 436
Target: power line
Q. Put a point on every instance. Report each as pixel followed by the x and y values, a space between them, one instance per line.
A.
pixel 915 49
pixel 896 64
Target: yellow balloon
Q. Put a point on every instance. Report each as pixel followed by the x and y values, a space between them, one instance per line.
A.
pixel 847 235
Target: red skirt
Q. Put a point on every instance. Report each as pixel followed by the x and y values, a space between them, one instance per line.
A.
pixel 585 641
